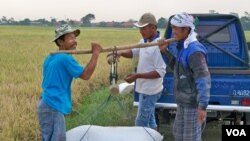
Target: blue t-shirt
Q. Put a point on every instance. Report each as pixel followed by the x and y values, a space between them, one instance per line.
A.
pixel 58 72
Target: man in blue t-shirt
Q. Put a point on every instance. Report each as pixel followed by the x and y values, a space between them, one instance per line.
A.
pixel 58 72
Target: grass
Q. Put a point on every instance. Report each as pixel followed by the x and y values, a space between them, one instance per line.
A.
pixel 247 34
pixel 22 53
pixel 23 50
pixel 99 108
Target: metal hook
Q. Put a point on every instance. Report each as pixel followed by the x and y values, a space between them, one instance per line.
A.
pixel 113 70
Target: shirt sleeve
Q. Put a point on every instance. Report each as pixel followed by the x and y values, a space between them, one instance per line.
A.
pixel 170 59
pixel 136 51
pixel 198 65
pixel 203 86
pixel 159 63
pixel 73 67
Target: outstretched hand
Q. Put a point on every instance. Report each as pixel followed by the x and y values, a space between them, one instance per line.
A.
pixel 131 77
pixel 163 45
pixel 96 48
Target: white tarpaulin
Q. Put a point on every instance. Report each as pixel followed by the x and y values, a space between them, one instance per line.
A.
pixel 112 133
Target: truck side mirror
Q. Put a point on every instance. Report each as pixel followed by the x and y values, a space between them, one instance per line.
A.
pixel 248 45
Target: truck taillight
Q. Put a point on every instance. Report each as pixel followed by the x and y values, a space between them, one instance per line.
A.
pixel 245 102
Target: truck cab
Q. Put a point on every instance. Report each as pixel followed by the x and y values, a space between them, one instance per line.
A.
pixel 228 62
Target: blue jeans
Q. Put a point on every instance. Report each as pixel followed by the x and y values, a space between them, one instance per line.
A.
pixel 52 123
pixel 146 110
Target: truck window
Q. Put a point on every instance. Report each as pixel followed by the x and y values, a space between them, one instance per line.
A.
pixel 221 36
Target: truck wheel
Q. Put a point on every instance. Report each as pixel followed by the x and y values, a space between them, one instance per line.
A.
pixel 157 112
pixel 162 116
pixel 237 119
pixel 247 119
pixel 166 116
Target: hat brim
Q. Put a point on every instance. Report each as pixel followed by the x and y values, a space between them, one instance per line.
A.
pixel 76 32
pixel 141 25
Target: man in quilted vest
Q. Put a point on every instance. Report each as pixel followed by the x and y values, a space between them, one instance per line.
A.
pixel 192 80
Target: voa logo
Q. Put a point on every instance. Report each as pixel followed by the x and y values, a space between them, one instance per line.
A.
pixel 236 132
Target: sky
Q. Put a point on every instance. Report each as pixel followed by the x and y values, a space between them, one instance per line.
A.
pixel 114 10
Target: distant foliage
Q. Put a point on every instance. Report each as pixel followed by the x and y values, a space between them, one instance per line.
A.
pixel 87 21
pixel 162 23
pixel 245 21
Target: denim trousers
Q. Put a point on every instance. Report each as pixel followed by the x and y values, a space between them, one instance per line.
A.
pixel 52 123
pixel 146 110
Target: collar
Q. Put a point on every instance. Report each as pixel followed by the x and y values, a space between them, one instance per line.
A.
pixel 157 35
pixel 191 38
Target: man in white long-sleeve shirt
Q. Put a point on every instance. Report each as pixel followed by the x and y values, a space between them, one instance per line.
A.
pixel 150 71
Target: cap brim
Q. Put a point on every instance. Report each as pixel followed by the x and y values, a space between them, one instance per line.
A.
pixel 76 32
pixel 140 25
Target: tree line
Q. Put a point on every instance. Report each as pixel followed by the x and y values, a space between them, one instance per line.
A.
pixel 87 21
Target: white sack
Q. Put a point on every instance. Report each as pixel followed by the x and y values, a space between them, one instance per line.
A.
pixel 112 133
pixel 125 87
